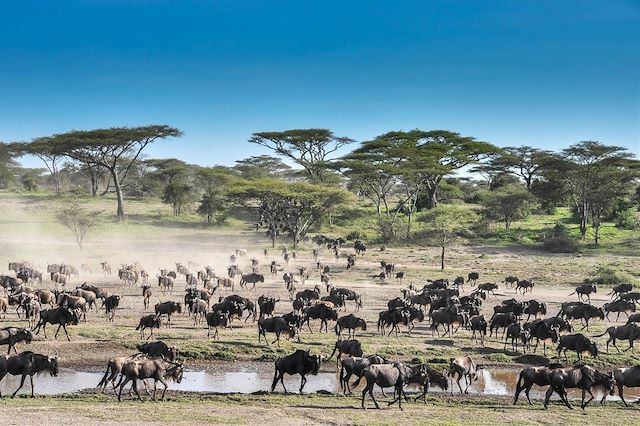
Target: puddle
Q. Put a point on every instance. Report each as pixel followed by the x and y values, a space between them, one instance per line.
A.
pixel 248 377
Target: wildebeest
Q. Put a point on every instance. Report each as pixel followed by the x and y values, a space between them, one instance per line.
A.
pixel 629 377
pixel 354 366
pixel 114 368
pixel 349 347
pixel 465 367
pixel 387 375
pixel 168 308
pixel 87 295
pixel 158 349
pixel 351 323
pixel 216 319
pixel 516 333
pixel 580 376
pixel 582 311
pixel 165 283
pixel 199 310
pixel 347 294
pixel 309 294
pixel 46 297
pixel 12 335
pixel 510 281
pixel 322 312
pixel 300 362
pixel 633 319
pixel 148 321
pixel 619 306
pixel 576 342
pixel 146 296
pixel 629 332
pixel 585 290
pixel 110 304
pixel 535 308
pixel 447 317
pixel 503 321
pixel 618 289
pixel 393 317
pixel 433 377
pixel 267 306
pixel 99 292
pixel 61 316
pixel 524 286
pixel 478 324
pixel 277 325
pixel 488 288
pixel 157 369
pixel 473 276
pixel 542 331
pixel 251 279
pixel 533 376
pixel 27 364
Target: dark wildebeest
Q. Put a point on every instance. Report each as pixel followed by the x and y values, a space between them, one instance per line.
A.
pixel 516 333
pixel 251 279
pixel 517 308
pixel 27 364
pixel 535 308
pixel 354 366
pixel 277 325
pixel 61 316
pixel 619 306
pixel 533 376
pixel 114 368
pixel 267 306
pixel 510 281
pixel 168 308
pixel 11 336
pixel 473 276
pixel 582 311
pixel 458 283
pixel 309 295
pixel 576 342
pixel 351 323
pixel 387 375
pixel 347 294
pixel 447 317
pixel 525 286
pixel 397 303
pixel 349 347
pixel 585 290
pixel 216 319
pixel 434 377
pixel 393 317
pixel 628 332
pixel 582 377
pixel 629 377
pixel 110 304
pixel 199 309
pixel 300 362
pixel 503 321
pixel 488 288
pixel 632 296
pixel 148 321
pixel 322 312
pixel 157 369
pixel 633 319
pixel 158 349
pixel 478 324
pixel 542 331
pixel 622 288
pixel 465 367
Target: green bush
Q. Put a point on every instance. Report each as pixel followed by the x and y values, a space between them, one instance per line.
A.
pixel 560 241
pixel 627 219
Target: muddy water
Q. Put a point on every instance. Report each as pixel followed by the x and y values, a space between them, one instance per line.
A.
pixel 248 377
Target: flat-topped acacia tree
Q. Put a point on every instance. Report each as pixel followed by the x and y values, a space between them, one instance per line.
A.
pixel 115 149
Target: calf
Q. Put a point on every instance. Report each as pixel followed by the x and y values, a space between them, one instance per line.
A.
pixel 110 304
pixel 158 349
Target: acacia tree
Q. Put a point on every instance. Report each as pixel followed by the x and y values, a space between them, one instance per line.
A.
pixel 115 149
pixel 509 203
pixel 523 161
pixel 445 225
pixel 44 149
pixel 7 164
pixel 261 166
pixel 594 172
pixel 288 207
pixel 309 148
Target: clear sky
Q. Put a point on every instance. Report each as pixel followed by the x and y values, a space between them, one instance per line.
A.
pixel 546 73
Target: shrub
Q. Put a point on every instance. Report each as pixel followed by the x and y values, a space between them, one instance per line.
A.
pixel 560 241
pixel 354 235
pixel 627 219
pixel 610 275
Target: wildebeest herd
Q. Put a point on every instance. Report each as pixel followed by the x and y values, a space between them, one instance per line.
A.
pixel 518 323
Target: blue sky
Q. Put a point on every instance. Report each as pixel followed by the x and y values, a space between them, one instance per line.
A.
pixel 542 73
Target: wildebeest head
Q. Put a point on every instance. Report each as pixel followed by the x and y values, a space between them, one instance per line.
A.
pixel 314 361
pixel 175 372
pixel 437 378
pixel 592 349
pixel 362 324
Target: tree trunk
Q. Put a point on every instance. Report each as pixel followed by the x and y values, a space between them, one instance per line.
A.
pixel 116 184
pixel 442 259
pixel 583 211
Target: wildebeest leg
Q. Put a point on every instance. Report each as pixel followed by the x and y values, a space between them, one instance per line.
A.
pixel 135 389
pixel 64 327
pixel 303 381
pixel 620 392
pixel 547 396
pixel 467 381
pixel 24 376
pixel 163 390
pixel 458 381
pixel 31 381
pixel 584 404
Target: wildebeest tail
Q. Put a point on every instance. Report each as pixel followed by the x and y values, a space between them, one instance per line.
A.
pixel 103 382
pixel 356 383
pixel 608 329
pixel 335 348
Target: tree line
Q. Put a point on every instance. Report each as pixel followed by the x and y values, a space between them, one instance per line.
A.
pixel 406 176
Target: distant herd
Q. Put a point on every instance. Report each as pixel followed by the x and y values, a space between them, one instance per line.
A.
pixel 438 300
